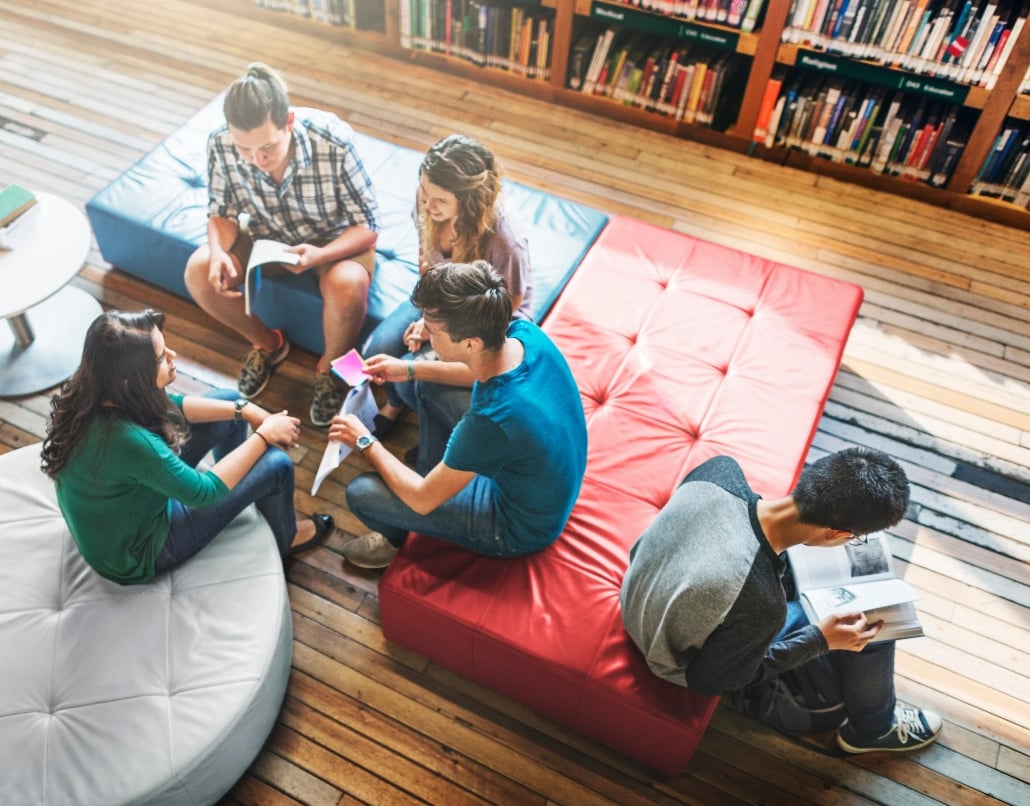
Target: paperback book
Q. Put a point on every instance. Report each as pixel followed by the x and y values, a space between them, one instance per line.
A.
pixel 851 578
pixel 263 252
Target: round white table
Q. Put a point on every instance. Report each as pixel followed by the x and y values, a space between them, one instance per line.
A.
pixel 48 319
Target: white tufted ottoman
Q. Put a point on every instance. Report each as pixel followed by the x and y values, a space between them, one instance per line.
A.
pixel 159 693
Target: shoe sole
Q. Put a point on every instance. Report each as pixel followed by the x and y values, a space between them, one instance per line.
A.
pixel 262 387
pixel 908 748
pixel 367 566
pixel 320 424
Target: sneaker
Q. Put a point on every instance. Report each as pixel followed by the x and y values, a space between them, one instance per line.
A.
pixel 370 551
pixel 326 400
pixel 913 728
pixel 257 369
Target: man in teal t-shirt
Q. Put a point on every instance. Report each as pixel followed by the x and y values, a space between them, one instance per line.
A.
pixel 514 462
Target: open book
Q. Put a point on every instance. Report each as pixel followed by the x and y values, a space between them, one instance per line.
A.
pixel 263 251
pixel 848 578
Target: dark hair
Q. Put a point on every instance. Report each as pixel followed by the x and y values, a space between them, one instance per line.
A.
pixel 256 96
pixel 858 490
pixel 470 300
pixel 118 369
pixel 466 168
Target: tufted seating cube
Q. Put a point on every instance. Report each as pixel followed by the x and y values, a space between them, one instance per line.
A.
pixel 682 350
pixel 160 693
pixel 150 219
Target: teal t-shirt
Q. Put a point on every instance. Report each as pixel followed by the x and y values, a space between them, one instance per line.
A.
pixel 116 491
pixel 525 430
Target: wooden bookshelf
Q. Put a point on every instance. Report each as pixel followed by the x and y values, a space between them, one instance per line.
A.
pixel 765 53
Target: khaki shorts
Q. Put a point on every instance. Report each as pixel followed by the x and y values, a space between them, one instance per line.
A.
pixel 244 243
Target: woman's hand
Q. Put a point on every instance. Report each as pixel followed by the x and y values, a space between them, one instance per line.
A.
pixel 280 429
pixel 254 415
pixel 849 631
pixel 383 368
pixel 415 336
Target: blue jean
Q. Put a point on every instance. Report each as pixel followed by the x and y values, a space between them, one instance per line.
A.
pixel 439 408
pixel 388 338
pixel 469 519
pixel 268 484
pixel 866 679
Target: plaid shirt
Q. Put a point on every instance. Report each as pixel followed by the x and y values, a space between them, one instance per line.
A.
pixel 324 191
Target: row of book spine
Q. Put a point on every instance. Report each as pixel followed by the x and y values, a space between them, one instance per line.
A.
pixel 362 14
pixel 887 131
pixel 1005 173
pixel 742 14
pixel 672 78
pixel 494 35
pixel 965 41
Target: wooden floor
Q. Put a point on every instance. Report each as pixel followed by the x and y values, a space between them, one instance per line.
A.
pixel 937 373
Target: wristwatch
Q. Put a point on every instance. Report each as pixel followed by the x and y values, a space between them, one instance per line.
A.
pixel 237 412
pixel 364 441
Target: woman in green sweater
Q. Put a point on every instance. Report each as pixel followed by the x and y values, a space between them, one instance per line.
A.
pixel 123 454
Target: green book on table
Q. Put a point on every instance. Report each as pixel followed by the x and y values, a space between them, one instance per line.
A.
pixel 14 200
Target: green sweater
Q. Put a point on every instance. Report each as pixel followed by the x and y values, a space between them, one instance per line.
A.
pixel 116 493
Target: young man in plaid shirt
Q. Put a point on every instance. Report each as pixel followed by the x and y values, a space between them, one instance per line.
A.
pixel 291 175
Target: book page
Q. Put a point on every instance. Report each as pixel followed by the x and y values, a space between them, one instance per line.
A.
pixel 262 252
pixel 864 597
pixel 824 567
pixel 360 402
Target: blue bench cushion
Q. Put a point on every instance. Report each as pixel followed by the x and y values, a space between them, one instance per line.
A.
pixel 150 219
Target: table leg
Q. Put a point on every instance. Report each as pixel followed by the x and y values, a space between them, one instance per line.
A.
pixel 44 348
pixel 22 329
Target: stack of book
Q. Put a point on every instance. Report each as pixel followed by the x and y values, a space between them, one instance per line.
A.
pixel 965 41
pixel 489 34
pixel 689 82
pixel 887 131
pixel 364 15
pixel 1005 173
pixel 742 14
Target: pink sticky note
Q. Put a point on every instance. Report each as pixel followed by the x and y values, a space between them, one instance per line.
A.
pixel 351 368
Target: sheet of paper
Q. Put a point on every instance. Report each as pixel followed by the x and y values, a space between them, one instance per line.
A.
pixel 350 367
pixel 360 402
pixel 263 251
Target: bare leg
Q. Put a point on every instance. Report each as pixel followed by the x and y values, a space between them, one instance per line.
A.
pixel 344 288
pixel 305 531
pixel 227 310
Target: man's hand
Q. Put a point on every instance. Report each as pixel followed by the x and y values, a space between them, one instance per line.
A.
pixel 310 256
pixel 849 631
pixel 346 429
pixel 385 368
pixel 223 275
pixel 415 336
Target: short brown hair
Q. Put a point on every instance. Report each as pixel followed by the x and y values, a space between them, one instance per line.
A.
pixel 256 96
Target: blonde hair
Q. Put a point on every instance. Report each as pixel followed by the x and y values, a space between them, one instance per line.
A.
pixel 466 168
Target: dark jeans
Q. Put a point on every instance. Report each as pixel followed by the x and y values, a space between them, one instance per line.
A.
pixel 866 679
pixel 268 484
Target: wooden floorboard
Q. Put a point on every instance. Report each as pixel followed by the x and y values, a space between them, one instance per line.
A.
pixel 937 373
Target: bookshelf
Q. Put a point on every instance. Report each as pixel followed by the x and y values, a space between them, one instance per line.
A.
pixel 752 49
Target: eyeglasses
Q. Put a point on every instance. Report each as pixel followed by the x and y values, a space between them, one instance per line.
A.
pixel 857 540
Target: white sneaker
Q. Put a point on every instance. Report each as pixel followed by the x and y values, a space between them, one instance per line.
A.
pixel 913 728
pixel 369 551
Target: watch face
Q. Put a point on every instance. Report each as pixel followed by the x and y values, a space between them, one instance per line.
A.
pixel 363 442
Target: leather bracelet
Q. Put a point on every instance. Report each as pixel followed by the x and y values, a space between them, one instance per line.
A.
pixel 263 439
pixel 411 370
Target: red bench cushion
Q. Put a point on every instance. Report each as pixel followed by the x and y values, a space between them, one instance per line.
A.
pixel 682 350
